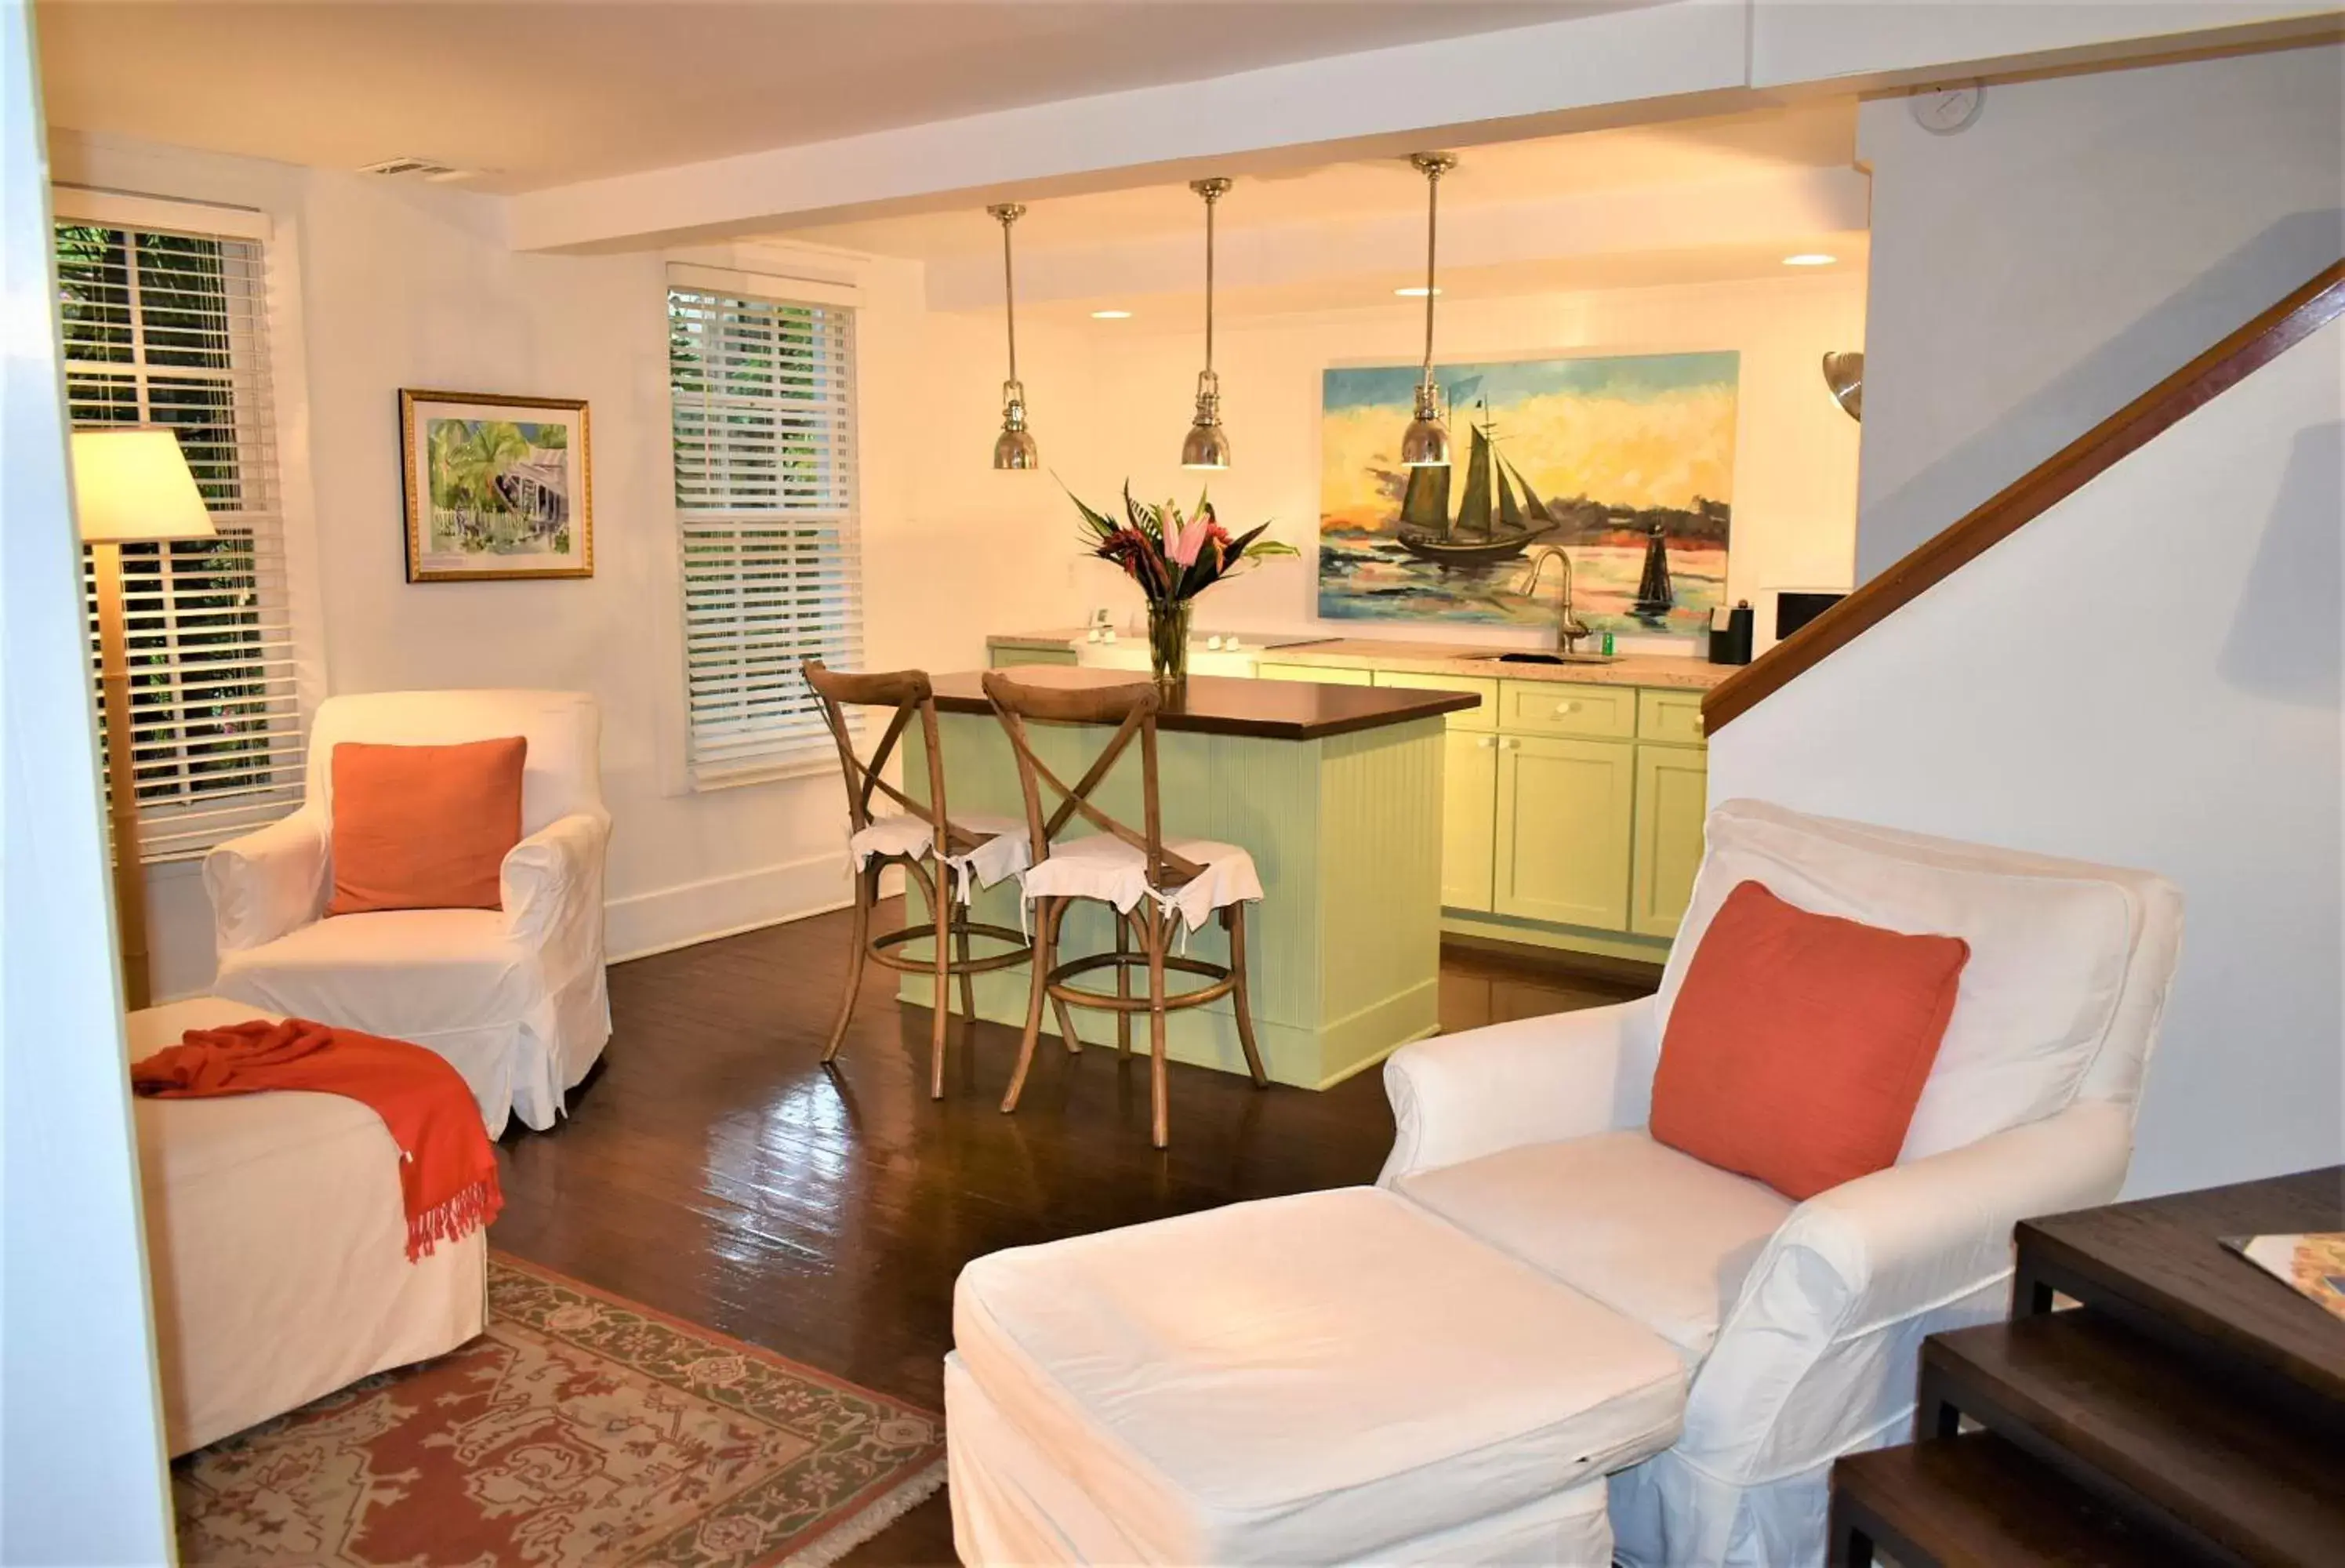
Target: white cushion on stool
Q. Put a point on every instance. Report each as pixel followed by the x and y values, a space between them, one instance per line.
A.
pixel 1308 1379
pixel 1103 866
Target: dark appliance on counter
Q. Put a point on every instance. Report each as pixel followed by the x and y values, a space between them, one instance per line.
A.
pixel 1794 610
pixel 1730 643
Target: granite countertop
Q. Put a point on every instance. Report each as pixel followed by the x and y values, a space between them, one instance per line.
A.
pixel 1434 659
pixel 1233 704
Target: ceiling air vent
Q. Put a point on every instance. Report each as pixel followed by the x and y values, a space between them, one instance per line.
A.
pixel 420 167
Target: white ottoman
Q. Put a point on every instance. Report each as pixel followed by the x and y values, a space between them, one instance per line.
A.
pixel 277 1247
pixel 1336 1376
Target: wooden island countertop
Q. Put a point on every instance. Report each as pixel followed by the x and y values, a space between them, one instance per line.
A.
pixel 1232 704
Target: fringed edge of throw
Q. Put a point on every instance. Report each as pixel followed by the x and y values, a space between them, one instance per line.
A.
pixel 471 1209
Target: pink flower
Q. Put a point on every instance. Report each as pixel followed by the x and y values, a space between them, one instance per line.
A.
pixel 1192 539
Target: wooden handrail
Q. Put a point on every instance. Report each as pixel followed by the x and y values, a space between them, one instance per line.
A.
pixel 2066 471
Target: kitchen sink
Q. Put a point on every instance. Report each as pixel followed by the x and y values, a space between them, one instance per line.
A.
pixel 1547 658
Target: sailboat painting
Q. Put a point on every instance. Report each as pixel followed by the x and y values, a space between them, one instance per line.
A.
pixel 1627 461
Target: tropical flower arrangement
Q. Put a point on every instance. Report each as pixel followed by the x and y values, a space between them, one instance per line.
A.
pixel 1173 559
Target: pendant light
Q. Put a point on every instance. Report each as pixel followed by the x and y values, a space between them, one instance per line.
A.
pixel 1427 444
pixel 1844 374
pixel 1206 446
pixel 1014 446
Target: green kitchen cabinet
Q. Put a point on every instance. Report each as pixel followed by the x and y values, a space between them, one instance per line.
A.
pixel 1469 823
pixel 1007 656
pixel 1566 811
pixel 1672 797
pixel 1483 715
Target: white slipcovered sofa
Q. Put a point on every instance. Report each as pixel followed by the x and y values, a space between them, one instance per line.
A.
pixel 1801 1322
pixel 513 997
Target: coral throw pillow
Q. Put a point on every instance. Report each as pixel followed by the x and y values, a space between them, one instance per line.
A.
pixel 1799 1043
pixel 425 827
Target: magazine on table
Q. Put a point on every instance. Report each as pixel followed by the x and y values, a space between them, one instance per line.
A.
pixel 2310 1263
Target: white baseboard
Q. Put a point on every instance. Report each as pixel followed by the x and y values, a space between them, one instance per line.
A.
pixel 669 917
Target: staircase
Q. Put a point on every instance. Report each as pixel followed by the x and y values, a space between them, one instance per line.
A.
pixel 2257 343
pixel 2186 1409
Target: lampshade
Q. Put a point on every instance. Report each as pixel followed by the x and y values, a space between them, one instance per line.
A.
pixel 1844 374
pixel 1014 448
pixel 1426 443
pixel 1207 445
pixel 132 484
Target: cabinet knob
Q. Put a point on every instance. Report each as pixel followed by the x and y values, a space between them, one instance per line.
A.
pixel 1567 707
pixel 1698 726
pixel 1510 743
pixel 1487 742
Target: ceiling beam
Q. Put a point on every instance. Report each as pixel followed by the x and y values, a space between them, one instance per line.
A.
pixel 1486 87
pixel 1640 64
pixel 1788 205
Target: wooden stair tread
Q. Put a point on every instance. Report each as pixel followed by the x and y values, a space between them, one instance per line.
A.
pixel 2078 1388
pixel 1978 1502
pixel 2160 1262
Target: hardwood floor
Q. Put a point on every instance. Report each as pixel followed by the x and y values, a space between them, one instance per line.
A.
pixel 714 1169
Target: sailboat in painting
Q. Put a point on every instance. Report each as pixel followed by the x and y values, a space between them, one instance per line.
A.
pixel 1472 537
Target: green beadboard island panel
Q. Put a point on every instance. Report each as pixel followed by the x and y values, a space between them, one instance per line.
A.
pixel 1345 832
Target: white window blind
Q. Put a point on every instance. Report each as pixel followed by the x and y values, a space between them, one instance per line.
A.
pixel 762 393
pixel 164 328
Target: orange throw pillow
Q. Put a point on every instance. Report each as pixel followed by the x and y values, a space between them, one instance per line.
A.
pixel 1799 1043
pixel 425 827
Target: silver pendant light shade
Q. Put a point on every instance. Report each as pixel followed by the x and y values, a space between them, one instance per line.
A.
pixel 1844 374
pixel 1207 445
pixel 1014 446
pixel 1426 443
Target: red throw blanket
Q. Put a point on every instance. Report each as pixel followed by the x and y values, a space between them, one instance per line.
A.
pixel 447 1172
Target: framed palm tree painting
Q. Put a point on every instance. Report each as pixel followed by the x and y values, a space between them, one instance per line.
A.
pixel 497 487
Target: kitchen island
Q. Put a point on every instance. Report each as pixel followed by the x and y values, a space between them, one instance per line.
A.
pixel 1575 793
pixel 1336 791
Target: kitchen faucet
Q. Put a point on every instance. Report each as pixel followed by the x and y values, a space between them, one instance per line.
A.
pixel 1569 629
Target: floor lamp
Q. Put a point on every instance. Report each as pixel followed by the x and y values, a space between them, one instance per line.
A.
pixel 130 485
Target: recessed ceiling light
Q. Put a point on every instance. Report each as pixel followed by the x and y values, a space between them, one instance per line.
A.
pixel 1810 258
pixel 1111 315
pixel 1416 292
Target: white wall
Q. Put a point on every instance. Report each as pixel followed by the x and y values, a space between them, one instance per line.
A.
pixel 81 1444
pixel 1795 452
pixel 402 284
pixel 2149 675
pixel 2086 237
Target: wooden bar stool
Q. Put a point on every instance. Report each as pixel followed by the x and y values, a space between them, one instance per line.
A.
pixel 1149 882
pixel 947 859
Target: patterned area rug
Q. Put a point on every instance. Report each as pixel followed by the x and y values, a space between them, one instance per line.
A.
pixel 580 1431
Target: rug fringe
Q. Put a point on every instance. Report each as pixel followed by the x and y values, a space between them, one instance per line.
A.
pixel 871 1521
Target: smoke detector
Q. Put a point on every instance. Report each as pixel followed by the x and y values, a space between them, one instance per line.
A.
pixel 412 167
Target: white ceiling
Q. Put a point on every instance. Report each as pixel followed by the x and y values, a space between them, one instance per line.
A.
pixel 1818 133
pixel 545 92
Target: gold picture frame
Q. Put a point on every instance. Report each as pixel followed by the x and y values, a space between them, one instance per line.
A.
pixel 495 489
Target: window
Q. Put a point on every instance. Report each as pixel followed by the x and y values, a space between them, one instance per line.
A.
pixel 164 328
pixel 763 395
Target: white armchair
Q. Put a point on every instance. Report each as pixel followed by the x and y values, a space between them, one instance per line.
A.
pixel 514 998
pixel 1802 1323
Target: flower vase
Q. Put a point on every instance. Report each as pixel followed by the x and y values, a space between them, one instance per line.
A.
pixel 1168 644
